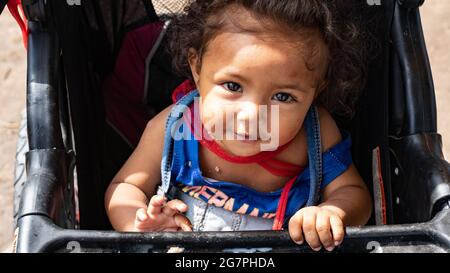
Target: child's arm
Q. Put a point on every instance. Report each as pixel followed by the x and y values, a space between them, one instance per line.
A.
pixel 134 185
pixel 346 201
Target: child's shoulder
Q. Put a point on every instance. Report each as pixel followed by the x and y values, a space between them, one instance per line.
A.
pixel 159 121
pixel 155 128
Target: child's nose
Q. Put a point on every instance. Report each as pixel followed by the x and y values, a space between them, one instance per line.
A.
pixel 247 111
pixel 241 125
pixel 247 117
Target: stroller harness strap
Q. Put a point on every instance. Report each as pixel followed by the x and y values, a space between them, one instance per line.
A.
pixel 314 156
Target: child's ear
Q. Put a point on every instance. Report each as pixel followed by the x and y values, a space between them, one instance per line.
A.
pixel 194 63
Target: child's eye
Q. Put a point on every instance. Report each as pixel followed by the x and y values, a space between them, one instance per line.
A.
pixel 232 86
pixel 283 97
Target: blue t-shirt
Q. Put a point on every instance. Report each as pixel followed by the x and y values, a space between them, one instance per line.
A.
pixel 187 176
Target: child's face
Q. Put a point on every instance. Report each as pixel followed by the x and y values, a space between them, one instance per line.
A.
pixel 241 74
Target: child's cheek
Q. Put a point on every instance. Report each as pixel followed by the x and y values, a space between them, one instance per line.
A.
pixel 212 116
pixel 289 128
pixel 209 106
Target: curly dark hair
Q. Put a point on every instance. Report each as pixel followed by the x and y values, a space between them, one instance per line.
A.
pixel 339 22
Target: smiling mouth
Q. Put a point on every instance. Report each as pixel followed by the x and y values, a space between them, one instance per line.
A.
pixel 244 137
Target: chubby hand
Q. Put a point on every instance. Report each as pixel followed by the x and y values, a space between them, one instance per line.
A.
pixel 318 226
pixel 162 216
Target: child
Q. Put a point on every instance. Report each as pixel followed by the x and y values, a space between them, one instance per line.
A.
pixel 257 60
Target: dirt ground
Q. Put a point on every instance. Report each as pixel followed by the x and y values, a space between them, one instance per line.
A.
pixel 436 23
pixel 12 101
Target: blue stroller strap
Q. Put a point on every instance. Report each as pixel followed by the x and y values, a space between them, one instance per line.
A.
pixel 314 158
pixel 314 155
pixel 175 114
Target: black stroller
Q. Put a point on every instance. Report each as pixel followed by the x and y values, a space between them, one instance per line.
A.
pixel 76 143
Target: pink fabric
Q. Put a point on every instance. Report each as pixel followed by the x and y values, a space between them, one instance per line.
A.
pixel 124 88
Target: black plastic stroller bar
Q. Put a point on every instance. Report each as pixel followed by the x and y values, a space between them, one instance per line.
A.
pixel 44 130
pixel 426 237
pixel 409 44
pixel 47 163
pixel 35 10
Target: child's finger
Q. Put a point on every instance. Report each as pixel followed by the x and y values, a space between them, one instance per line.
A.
pixel 155 205
pixel 295 228
pixel 324 230
pixel 183 222
pixel 171 229
pixel 310 232
pixel 140 222
pixel 337 228
pixel 141 215
pixel 173 207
